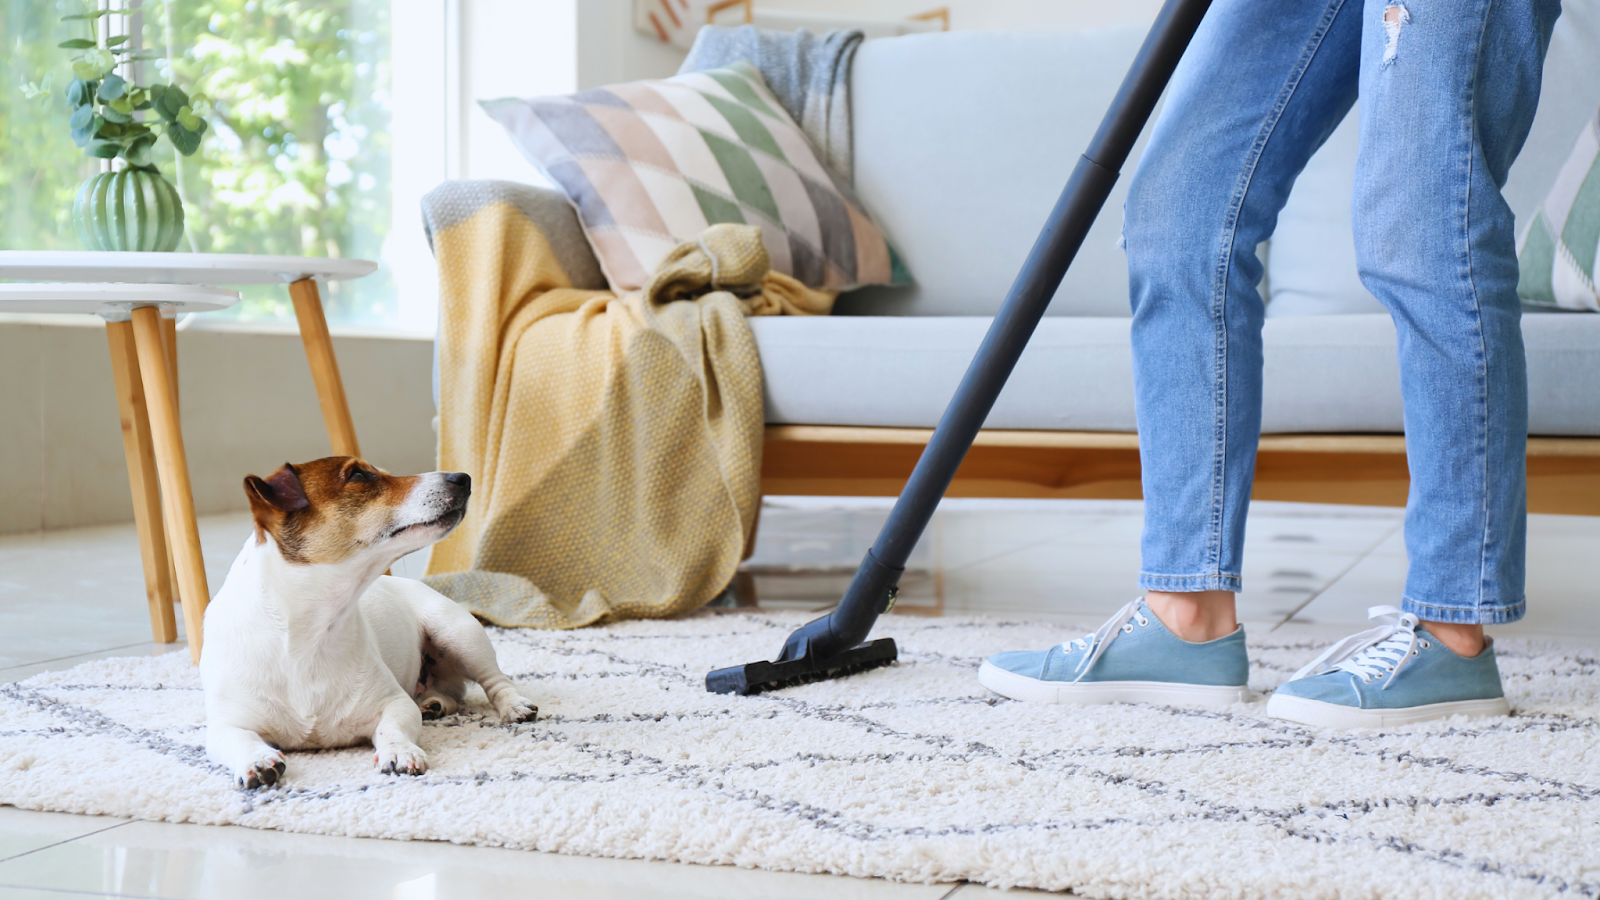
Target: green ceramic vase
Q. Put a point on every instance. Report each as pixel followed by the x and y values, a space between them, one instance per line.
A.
pixel 133 209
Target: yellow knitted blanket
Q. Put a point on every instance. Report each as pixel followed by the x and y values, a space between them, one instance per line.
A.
pixel 614 442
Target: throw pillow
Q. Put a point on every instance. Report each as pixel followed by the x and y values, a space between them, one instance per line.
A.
pixel 1558 248
pixel 651 164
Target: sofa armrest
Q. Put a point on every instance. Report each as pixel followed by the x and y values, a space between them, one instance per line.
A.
pixel 549 210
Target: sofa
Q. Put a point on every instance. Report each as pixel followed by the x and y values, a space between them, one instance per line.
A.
pixel 962 141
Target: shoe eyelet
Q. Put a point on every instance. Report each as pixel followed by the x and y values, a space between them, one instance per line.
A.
pixel 1426 645
pixel 1365 680
pixel 1128 628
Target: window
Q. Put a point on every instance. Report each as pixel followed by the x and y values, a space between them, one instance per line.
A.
pixel 297 158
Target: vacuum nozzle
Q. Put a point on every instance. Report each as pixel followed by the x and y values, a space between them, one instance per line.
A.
pixel 828 647
pixel 753 678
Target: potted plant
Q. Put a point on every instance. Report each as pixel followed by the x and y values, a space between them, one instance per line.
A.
pixel 131 207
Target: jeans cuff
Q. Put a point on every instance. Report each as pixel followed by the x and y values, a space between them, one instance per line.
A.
pixel 1185 584
pixel 1465 615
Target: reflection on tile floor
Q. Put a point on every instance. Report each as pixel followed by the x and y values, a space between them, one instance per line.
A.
pixel 66 597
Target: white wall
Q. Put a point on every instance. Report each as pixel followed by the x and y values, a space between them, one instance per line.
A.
pixel 247 406
pixel 610 51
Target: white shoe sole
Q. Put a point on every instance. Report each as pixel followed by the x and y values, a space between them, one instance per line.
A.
pixel 1032 690
pixel 1321 714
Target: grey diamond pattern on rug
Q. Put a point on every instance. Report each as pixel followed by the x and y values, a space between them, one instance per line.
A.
pixel 914 772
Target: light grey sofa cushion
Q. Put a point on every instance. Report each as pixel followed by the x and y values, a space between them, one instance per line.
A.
pixel 963 141
pixel 1330 374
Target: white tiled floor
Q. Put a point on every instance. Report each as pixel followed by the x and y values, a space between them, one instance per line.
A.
pixel 66 597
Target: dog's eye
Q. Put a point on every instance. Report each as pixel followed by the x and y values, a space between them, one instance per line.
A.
pixel 360 475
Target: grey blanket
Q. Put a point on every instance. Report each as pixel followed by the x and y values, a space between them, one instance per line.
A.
pixel 810 76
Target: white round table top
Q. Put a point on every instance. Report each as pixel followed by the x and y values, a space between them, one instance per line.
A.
pixel 139 267
pixel 112 302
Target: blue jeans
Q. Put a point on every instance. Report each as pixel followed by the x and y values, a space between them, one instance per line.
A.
pixel 1448 92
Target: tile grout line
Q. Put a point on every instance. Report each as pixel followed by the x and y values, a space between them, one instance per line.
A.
pixel 1339 577
pixel 998 556
pixel 40 662
pixel 59 843
pixel 953 891
pixel 74 892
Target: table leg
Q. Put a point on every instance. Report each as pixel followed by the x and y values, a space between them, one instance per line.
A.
pixel 140 454
pixel 169 343
pixel 324 368
pixel 177 497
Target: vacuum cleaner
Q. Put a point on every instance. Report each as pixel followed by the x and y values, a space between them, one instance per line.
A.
pixel 830 647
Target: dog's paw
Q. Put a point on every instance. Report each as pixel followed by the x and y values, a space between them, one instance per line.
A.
pixel 435 705
pixel 262 773
pixel 518 709
pixel 401 759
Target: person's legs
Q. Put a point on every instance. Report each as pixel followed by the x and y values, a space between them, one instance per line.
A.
pixel 1258 93
pixel 1448 93
pixel 1259 90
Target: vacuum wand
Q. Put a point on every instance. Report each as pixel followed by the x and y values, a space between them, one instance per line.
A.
pixel 828 647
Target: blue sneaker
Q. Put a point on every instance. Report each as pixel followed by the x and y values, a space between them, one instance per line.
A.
pixel 1390 675
pixel 1133 658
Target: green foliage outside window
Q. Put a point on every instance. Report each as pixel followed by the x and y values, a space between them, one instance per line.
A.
pixel 296 161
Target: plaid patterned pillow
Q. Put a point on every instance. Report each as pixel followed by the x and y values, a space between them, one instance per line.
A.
pixel 651 164
pixel 1558 249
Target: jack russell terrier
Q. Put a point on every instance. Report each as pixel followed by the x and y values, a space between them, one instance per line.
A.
pixel 309 645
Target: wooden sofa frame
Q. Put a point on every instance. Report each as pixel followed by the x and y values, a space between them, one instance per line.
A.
pixel 1361 469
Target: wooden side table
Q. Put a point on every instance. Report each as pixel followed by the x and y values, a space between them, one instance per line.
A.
pixel 152 437
pixel 148 376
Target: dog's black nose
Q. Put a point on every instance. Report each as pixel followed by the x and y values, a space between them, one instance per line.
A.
pixel 459 479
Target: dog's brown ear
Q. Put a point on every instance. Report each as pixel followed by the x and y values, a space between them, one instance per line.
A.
pixel 282 492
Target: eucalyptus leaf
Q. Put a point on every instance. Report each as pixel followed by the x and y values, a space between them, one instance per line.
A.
pixel 111 130
pixel 102 60
pixel 81 16
pixel 39 91
pixel 170 102
pixel 187 142
pixel 103 149
pixel 114 41
pixel 189 120
pixel 76 44
pixel 112 114
pixel 80 118
pixel 137 152
pixel 113 87
pixel 79 93
pixel 122 105
pixel 85 71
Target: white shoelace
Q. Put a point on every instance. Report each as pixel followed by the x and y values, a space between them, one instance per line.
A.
pixel 1097 641
pixel 1376 652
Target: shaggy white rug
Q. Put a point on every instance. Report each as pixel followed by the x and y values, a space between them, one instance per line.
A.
pixel 912 772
